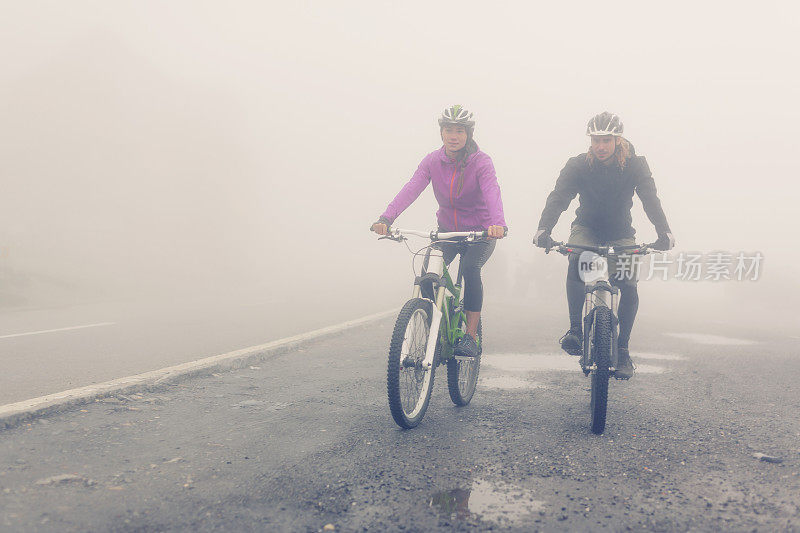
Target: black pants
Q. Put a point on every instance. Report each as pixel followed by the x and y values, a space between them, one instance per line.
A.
pixel 628 301
pixel 473 256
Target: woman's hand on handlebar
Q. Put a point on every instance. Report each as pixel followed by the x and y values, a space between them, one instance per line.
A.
pixel 380 228
pixel 496 232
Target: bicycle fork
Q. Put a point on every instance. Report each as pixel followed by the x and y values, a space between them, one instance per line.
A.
pixel 600 294
pixel 435 266
pixel 433 335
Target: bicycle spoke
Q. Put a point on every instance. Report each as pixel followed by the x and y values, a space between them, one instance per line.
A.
pixel 413 376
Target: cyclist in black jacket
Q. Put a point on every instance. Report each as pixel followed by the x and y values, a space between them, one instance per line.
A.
pixel 605 179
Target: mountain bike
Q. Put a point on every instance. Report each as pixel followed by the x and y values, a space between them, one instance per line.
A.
pixel 600 355
pixel 427 329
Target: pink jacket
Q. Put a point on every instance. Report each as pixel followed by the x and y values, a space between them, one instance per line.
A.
pixel 468 193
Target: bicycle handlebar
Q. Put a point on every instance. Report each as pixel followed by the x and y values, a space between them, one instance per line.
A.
pixel 633 249
pixel 397 234
pixel 437 235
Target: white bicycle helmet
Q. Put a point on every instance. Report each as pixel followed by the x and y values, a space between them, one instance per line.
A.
pixel 605 124
pixel 457 115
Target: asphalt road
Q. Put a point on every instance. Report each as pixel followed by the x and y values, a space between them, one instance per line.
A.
pixel 305 440
pixel 49 349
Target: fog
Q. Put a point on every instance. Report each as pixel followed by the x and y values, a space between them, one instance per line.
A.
pixel 154 149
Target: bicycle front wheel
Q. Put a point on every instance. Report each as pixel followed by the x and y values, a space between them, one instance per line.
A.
pixel 601 359
pixel 409 382
pixel 462 373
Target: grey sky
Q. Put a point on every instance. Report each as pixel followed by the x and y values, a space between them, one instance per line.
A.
pixel 207 141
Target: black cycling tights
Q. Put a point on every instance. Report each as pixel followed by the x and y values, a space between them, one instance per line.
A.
pixel 628 302
pixel 473 256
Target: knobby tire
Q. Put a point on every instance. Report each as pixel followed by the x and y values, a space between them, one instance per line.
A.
pixel 601 357
pixel 414 314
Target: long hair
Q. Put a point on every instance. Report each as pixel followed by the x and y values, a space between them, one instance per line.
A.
pixel 622 153
pixel 461 156
pixel 470 148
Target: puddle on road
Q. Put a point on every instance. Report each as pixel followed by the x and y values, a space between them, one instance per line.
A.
pixel 663 356
pixel 508 382
pixel 272 406
pixel 530 362
pixel 703 338
pixel 646 369
pixel 493 502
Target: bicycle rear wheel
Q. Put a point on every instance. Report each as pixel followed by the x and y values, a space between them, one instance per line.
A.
pixel 409 383
pixel 462 373
pixel 601 361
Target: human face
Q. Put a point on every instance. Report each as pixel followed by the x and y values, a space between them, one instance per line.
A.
pixel 604 146
pixel 454 137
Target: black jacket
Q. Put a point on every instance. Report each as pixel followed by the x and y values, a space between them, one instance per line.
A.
pixel 606 197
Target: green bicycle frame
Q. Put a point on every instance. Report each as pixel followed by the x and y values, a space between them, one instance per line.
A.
pixel 449 305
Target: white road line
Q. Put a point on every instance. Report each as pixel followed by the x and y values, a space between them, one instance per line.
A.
pixel 57 329
pixel 704 338
pixel 13 412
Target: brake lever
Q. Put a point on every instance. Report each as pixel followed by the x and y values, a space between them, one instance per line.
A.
pixel 554 245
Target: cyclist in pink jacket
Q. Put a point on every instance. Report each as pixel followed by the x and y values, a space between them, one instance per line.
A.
pixel 465 186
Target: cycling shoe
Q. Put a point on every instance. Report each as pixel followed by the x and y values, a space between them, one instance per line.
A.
pixel 625 366
pixel 466 347
pixel 571 342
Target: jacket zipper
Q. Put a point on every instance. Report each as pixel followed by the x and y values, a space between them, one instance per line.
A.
pixel 452 204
